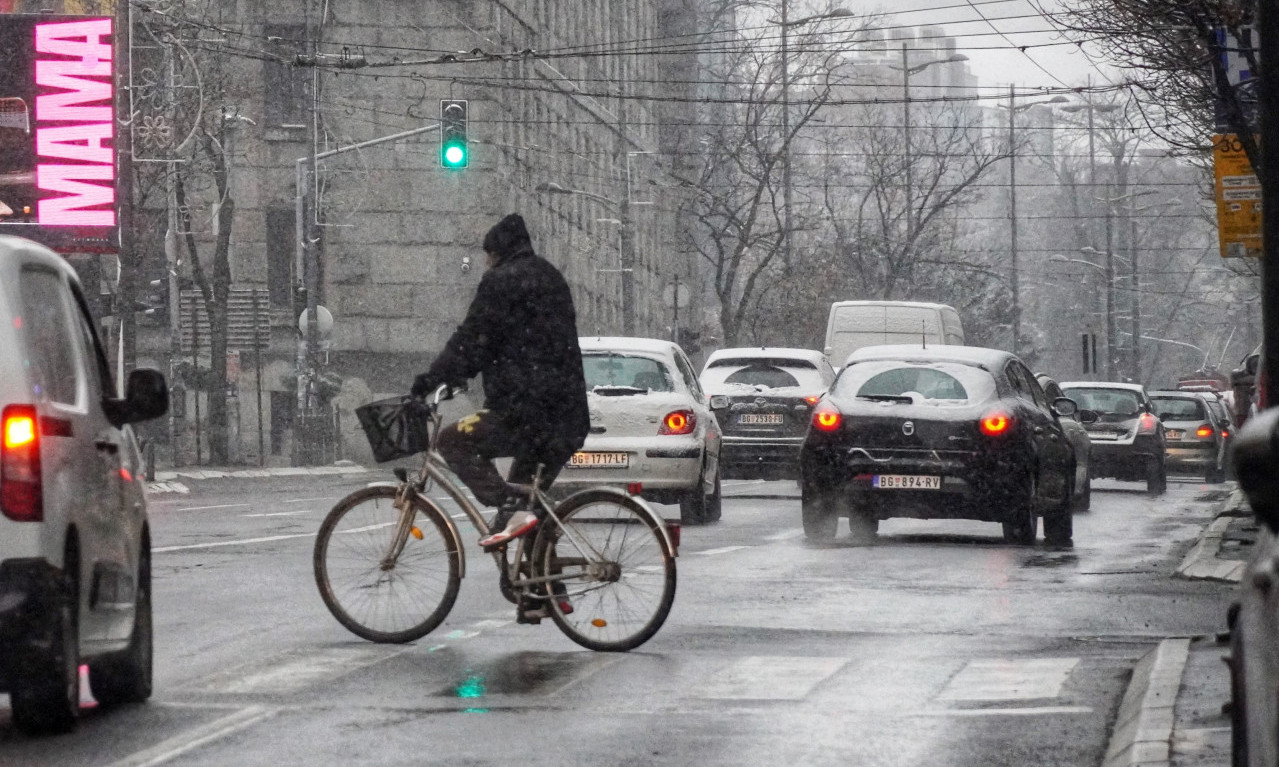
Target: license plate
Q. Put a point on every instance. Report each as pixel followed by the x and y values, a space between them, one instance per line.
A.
pixel 760 418
pixel 600 461
pixel 1175 434
pixel 905 482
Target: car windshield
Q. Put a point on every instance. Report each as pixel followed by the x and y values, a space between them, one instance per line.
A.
pixel 1121 402
pixel 937 383
pixel 761 373
pixel 1178 409
pixel 609 370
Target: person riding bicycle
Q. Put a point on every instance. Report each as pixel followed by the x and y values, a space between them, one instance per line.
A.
pixel 520 333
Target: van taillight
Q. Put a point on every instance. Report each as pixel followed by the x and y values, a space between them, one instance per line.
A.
pixel 21 498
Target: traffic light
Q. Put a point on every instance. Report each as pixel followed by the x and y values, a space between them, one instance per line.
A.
pixel 454 152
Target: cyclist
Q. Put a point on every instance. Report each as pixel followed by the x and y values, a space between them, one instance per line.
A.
pixel 520 333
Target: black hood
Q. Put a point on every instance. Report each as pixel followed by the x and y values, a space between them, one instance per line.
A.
pixel 508 237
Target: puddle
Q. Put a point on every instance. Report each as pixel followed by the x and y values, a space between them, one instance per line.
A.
pixel 1050 559
pixel 525 673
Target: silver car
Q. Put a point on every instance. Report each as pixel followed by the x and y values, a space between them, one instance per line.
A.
pixel 75 561
pixel 1195 438
pixel 651 426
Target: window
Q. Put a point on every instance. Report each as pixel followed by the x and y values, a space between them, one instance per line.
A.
pixel 686 370
pixel 612 370
pixel 762 375
pixel 281 255
pixel 940 383
pixel 772 373
pixel 1111 401
pixel 931 384
pixel 1178 409
pixel 286 91
pixel 50 341
pixel 92 344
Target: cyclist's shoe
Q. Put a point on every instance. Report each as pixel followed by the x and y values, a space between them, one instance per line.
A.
pixel 519 523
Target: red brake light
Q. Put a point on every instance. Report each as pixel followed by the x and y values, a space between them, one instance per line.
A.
pixel 1204 431
pixel 827 419
pixel 996 423
pixel 21 498
pixel 813 399
pixel 1146 424
pixel 678 422
pixel 635 488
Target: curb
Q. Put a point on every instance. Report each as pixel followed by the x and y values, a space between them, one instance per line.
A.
pixel 169 481
pixel 1143 729
pixel 1201 562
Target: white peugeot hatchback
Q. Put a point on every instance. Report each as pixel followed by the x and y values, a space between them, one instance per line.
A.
pixel 651 425
pixel 75 568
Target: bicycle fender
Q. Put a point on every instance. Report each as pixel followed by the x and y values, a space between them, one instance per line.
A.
pixel 458 551
pixel 643 504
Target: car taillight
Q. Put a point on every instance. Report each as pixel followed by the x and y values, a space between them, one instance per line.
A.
pixel 1147 424
pixel 678 422
pixel 21 498
pixel 813 399
pixel 996 423
pixel 1204 431
pixel 827 418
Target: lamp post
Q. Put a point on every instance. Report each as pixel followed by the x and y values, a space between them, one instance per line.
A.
pixel 626 234
pixel 785 23
pixel 1133 271
pixel 907 70
pixel 1015 280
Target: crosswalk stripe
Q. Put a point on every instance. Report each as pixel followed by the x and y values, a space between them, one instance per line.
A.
pixel 721 550
pixel 1006 679
pixel 769 678
pixel 291 672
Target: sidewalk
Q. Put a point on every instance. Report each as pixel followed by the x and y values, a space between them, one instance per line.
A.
pixel 1173 714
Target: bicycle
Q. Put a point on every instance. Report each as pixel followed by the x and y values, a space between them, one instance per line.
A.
pixel 389 561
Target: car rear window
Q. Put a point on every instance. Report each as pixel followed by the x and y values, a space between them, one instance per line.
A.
pixel 772 374
pixel 623 370
pixel 939 383
pixel 1109 401
pixel 1177 409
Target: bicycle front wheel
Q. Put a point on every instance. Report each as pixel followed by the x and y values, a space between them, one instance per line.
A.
pixel 615 574
pixel 377 594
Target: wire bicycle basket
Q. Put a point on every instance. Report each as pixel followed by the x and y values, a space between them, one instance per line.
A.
pixel 395 427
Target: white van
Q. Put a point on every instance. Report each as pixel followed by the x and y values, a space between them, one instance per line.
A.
pixel 854 324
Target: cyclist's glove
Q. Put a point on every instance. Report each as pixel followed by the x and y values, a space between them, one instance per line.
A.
pixel 423 385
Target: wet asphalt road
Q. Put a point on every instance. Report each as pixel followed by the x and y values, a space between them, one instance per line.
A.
pixel 940 645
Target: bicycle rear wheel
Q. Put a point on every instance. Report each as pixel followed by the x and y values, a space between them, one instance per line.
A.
pixel 618 586
pixel 397 601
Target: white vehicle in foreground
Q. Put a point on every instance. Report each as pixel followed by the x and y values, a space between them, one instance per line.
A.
pixel 75 550
pixel 651 425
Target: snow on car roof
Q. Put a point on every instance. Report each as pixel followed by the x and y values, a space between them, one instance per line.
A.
pixel 626 344
pixel 766 352
pixel 1100 385
pixel 972 355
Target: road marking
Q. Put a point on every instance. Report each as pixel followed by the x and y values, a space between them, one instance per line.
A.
pixel 722 550
pixel 770 678
pixel 785 536
pixel 1003 679
pixel 280 513
pixel 181 743
pixel 210 508
pixel 294 671
pixel 1031 711
pixel 241 542
pixel 309 500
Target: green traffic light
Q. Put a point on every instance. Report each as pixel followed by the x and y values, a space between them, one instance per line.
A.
pixel 454 155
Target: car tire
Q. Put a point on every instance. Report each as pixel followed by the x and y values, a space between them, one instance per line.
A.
pixel 1059 526
pixel 1215 476
pixel 1156 478
pixel 863 527
pixel 45 690
pixel 817 509
pixel 1085 496
pixel 1021 528
pixel 698 508
pixel 126 677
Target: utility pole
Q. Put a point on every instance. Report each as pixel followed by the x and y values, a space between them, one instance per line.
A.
pixel 1135 359
pixel 309 275
pixel 910 202
pixel 786 179
pixel 1015 280
pixel 1111 341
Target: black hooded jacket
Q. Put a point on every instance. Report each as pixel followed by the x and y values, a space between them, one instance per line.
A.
pixel 520 332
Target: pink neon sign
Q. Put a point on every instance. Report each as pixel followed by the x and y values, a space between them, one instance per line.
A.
pixel 73 119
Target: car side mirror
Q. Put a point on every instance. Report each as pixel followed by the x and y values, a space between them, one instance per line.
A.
pixel 719 402
pixel 146 396
pixel 1255 453
pixel 1064 407
pixel 1251 364
pixel 1087 416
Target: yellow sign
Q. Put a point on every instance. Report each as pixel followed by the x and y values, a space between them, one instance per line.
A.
pixel 1238 193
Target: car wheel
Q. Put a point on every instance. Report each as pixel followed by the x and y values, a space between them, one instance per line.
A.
pixel 1156 478
pixel 1085 496
pixel 45 691
pixel 819 517
pixel 1021 527
pixel 698 508
pixel 126 678
pixel 862 526
pixel 1059 526
pixel 1215 476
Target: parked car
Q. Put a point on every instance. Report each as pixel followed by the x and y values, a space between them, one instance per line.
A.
pixel 1127 437
pixel 852 325
pixel 651 424
pixel 75 562
pixel 944 432
pixel 1077 436
pixel 771 392
pixel 1194 433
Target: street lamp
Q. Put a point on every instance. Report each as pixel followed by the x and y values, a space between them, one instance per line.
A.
pixel 1013 108
pixel 785 24
pixel 907 70
pixel 626 249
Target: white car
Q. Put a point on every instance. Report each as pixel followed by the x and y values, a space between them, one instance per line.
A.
pixel 651 424
pixel 75 561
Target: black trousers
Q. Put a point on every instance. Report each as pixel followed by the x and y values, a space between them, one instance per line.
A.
pixel 470 445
